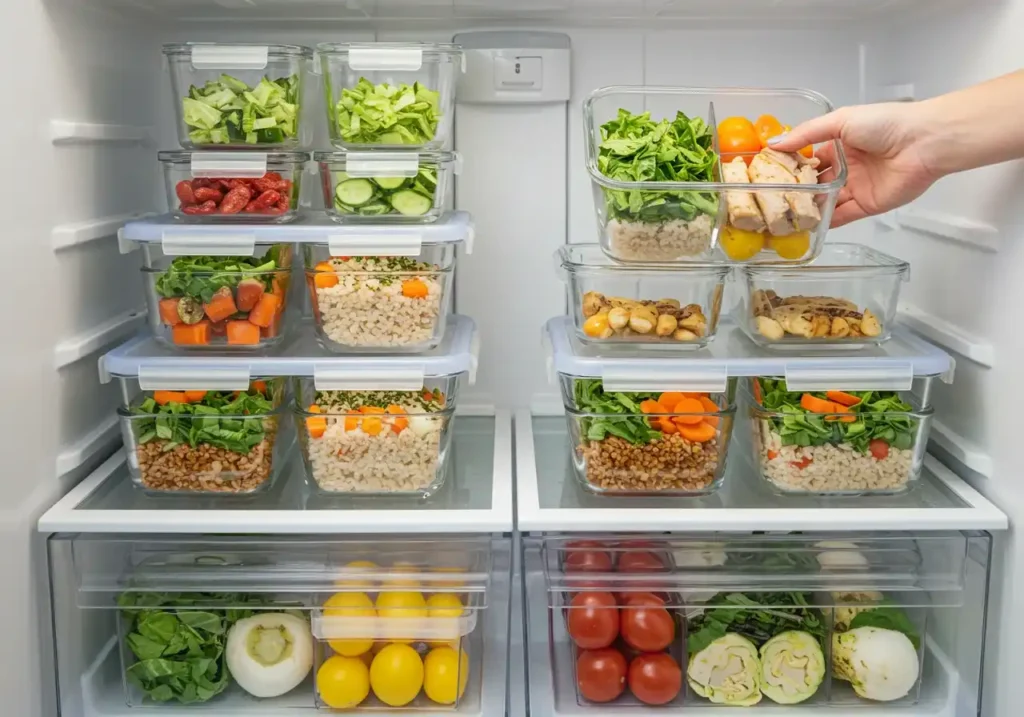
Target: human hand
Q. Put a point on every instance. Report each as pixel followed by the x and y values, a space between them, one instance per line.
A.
pixel 887 155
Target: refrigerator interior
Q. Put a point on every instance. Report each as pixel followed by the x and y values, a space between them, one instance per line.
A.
pixel 95 108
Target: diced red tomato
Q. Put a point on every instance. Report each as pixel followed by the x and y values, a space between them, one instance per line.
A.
pixel 879 449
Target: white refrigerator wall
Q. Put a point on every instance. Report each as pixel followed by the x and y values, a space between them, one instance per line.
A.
pixel 100 78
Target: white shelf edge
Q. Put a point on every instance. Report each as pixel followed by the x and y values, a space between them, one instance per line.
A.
pixel 981 515
pixel 93 339
pixel 962 230
pixel 63 132
pixel 947 335
pixel 64 236
pixel 65 517
pixel 104 435
pixel 962 449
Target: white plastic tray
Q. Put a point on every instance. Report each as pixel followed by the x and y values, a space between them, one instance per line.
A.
pixel 162 367
pixel 891 366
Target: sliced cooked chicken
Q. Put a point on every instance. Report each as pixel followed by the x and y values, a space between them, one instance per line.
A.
pixel 743 211
pixel 774 207
pixel 804 212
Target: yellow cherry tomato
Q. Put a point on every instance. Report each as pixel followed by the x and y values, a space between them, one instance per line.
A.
pixel 793 246
pixel 445 675
pixel 740 244
pixel 356 567
pixel 396 675
pixel 356 605
pixel 343 682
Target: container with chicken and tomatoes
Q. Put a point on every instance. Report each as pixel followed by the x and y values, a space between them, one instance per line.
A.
pixel 838 442
pixel 612 598
pixel 629 437
pixel 217 302
pixel 692 177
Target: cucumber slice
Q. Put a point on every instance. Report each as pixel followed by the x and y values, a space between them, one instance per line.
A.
pixel 354 192
pixel 374 209
pixel 389 183
pixel 410 203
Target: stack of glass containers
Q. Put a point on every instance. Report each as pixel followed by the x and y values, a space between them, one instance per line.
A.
pixel 687 193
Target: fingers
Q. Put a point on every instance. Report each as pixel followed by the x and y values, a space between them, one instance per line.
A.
pixel 819 129
pixel 848 211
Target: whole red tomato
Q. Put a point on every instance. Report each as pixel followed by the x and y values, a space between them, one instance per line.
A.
pixel 580 557
pixel 640 562
pixel 645 623
pixel 593 620
pixel 601 674
pixel 654 679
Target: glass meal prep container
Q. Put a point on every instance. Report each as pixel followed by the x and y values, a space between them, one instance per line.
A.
pixel 688 176
pixel 390 94
pixel 386 187
pixel 380 303
pixel 203 441
pixel 207 303
pixel 839 442
pixel 647 442
pixel 377 442
pixel 846 297
pixel 239 96
pixel 237 187
pixel 647 306
pixel 808 621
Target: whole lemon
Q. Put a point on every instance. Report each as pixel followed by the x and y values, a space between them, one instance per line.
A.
pixel 357 567
pixel 352 605
pixel 343 682
pixel 445 675
pixel 396 675
pixel 444 605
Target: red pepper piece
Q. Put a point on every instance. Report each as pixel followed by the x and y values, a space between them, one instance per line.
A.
pixel 184 191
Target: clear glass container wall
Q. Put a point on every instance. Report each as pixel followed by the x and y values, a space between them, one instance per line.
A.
pixel 96 577
pixel 912 606
pixel 782 218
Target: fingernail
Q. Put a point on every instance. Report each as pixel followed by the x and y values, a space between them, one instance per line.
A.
pixel 778 138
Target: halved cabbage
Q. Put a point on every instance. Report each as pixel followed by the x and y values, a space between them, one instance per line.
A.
pixel 727 672
pixel 792 667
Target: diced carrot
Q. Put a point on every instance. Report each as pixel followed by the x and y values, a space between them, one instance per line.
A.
pixel 772 455
pixel 842 398
pixel 802 463
pixel 313 408
pixel 219 328
pixel 169 311
pixel 711 407
pixel 816 405
pixel 242 333
pixel 264 311
pixel 372 425
pixel 277 287
pixel 258 386
pixel 669 399
pixel 665 425
pixel 650 406
pixel 689 405
pixel 164 397
pixel 191 334
pixel 221 306
pixel 194 396
pixel 698 433
pixel 248 293
pixel 269 332
pixel 325 277
pixel 352 420
pixel 838 408
pixel 415 289
pixel 371 409
pixel 316 425
pixel 427 395
pixel 400 423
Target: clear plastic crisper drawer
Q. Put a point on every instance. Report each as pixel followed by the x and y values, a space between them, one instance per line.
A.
pixel 160 367
pixel 892 366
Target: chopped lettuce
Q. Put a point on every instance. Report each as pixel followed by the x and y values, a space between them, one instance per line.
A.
pixel 228 111
pixel 387 114
pixel 635 148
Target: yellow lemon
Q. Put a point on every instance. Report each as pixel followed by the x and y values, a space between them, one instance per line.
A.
pixel 396 675
pixel 399 582
pixel 740 244
pixel 444 605
pixel 343 682
pixel 401 604
pixel 356 567
pixel 793 246
pixel 445 675
pixel 451 584
pixel 357 605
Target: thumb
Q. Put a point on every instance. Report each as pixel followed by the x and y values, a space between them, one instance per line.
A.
pixel 814 131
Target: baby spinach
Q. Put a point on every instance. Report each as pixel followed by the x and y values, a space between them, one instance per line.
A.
pixel 757 616
pixel 615 413
pixel 879 415
pixel 221 418
pixel 635 148
pixel 201 276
